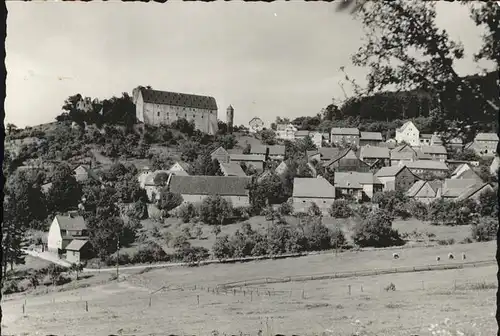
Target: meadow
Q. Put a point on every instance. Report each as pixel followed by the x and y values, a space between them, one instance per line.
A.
pixel 186 300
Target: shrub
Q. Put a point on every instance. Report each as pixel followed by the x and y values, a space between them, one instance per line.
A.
pixel 149 253
pixel 241 213
pixel 318 237
pixel 186 212
pixel 376 231
pixel 11 287
pixel 214 210
pixel 338 239
pixel 485 230
pixel 418 210
pixel 363 211
pixel 340 209
pixel 179 241
pixel 314 210
pixel 390 287
pixel 123 259
pixel 286 209
pixel 192 254
pixel 488 203
pixel 222 248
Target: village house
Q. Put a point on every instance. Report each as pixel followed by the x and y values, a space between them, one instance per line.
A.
pixel 425 191
pixel 286 131
pixel 425 139
pixel 153 185
pixel 372 155
pixel 455 144
pixel 344 136
pixel 436 152
pixel 402 158
pixel 78 251
pixel 390 143
pixel 155 107
pixel 275 152
pixel 221 155
pixel 370 139
pixel 282 168
pixel 63 230
pixel 316 137
pixel 420 167
pixel 323 154
pixel 231 169
pixel 484 144
pixel 312 190
pixel 465 171
pixel 360 186
pixel 83 172
pixel 254 160
pixel 179 168
pixel 408 133
pixel 194 189
pixel 462 189
pixel 345 161
pixel 396 178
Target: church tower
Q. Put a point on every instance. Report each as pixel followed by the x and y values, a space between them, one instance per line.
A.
pixel 230 119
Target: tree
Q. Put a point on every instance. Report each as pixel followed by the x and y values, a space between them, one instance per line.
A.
pixel 340 209
pixel 186 212
pixel 13 236
pixel 204 165
pixel 76 268
pixel 214 210
pixel 268 137
pixel 11 128
pixel 247 149
pixel 466 155
pixel 485 230
pixel 376 231
pixel 405 48
pixel 306 144
pixel 169 200
pixel 488 203
pixel 318 236
pixel 222 248
pixel 314 211
pixel 65 192
pixel 104 234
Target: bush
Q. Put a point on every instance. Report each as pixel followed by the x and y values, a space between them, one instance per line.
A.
pixel 123 259
pixel 192 254
pixel 285 209
pixel 187 212
pixel 222 248
pixel 337 239
pixel 214 210
pixel 11 287
pixel 418 210
pixel 318 237
pixel 391 287
pixel 485 230
pixel 376 231
pixel 340 209
pixel 241 213
pixel 363 211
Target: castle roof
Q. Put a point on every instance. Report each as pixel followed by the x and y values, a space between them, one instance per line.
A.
pixel 178 99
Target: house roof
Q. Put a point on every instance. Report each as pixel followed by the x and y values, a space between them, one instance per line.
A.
pixel 273 150
pixel 433 149
pixel 472 190
pixel 374 152
pixel 210 185
pixel 395 155
pixel 327 153
pixel 345 131
pixel 354 180
pixel 339 156
pixel 220 150
pixel 406 124
pixel 423 156
pixel 425 136
pixel 313 187
pixel 486 137
pixel 71 222
pixel 459 167
pixel 458 183
pixel 247 157
pixel 302 133
pixel 76 244
pixel 469 174
pixel 389 171
pixel 418 185
pixel 178 99
pixel 400 148
pixel 371 136
pixel 232 169
pixel 427 164
pixel 284 127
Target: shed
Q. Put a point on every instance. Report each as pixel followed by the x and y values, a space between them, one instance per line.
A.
pixel 78 251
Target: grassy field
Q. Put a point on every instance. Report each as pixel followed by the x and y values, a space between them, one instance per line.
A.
pixel 305 308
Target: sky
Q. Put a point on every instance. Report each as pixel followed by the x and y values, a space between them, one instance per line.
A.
pixel 265 59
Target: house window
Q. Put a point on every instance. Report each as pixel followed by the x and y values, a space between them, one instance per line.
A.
pixel 158 114
pixel 303 201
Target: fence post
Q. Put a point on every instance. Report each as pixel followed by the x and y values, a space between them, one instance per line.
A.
pixel 150 301
pixel 198 299
pixel 303 295
pixel 349 289
pixel 86 306
pixel 361 288
pixel 251 295
pixel 423 284
pixel 455 284
pixel 23 309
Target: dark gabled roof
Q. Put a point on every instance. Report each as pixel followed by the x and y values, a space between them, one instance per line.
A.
pixel 472 190
pixel 76 244
pixel 427 164
pixel 374 152
pixel 178 99
pixel 339 156
pixel 219 151
pixel 354 180
pixel 71 222
pixel 273 150
pixel 247 157
pixel 389 171
pixel 210 185
pixel 377 136
pixel 486 137
pixel 345 131
pixel 435 149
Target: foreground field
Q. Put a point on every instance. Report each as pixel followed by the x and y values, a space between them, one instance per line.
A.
pixel 313 307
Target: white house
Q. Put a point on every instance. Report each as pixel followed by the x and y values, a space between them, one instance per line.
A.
pixel 179 168
pixel 408 133
pixel 286 131
pixel 357 184
pixel 63 230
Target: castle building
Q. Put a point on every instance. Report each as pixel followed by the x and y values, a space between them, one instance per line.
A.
pixel 155 107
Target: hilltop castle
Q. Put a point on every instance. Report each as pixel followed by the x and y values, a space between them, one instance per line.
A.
pixel 155 107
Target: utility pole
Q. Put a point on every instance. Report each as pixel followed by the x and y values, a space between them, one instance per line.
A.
pixel 117 258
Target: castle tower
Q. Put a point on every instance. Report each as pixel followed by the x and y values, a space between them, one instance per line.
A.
pixel 230 118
